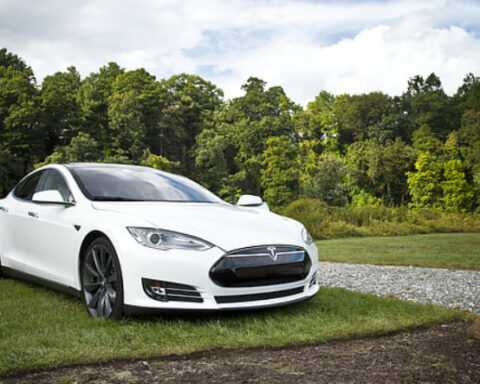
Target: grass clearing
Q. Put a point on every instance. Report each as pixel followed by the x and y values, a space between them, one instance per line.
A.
pixel 452 250
pixel 40 328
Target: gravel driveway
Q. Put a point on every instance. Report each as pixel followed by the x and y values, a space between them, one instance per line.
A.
pixel 446 287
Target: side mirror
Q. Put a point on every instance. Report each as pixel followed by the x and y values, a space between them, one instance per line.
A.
pixel 51 196
pixel 252 201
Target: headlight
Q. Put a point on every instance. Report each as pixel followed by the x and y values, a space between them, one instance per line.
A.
pixel 306 236
pixel 165 240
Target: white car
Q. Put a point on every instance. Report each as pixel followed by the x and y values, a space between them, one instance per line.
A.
pixel 132 239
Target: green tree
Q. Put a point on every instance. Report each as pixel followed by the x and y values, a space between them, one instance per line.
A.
pixel 380 170
pixel 328 183
pixel 20 133
pixel 60 111
pixel 210 160
pixel 424 183
pixel 427 104
pixel 158 162
pixel 457 195
pixel 280 173
pixel 93 98
pixel 127 126
pixel 11 170
pixel 82 148
pixel 188 109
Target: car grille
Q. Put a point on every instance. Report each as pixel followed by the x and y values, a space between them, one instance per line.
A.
pixel 260 266
pixel 257 296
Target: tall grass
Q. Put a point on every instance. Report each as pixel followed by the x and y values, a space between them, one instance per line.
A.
pixel 325 222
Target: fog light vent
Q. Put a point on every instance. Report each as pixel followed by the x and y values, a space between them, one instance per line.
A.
pixel 168 291
pixel 313 280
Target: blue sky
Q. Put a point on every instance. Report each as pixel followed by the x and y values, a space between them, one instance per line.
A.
pixel 303 46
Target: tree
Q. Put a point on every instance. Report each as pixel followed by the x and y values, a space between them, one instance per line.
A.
pixel 127 126
pixel 82 148
pixel 458 195
pixel 280 173
pixel 60 111
pixel 424 184
pixel 427 104
pixel 188 109
pixel 158 162
pixel 247 123
pixel 210 160
pixel 11 170
pixel 380 170
pixel 20 133
pixel 328 183
pixel 93 98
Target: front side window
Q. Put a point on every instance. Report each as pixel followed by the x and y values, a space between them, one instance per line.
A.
pixel 26 188
pixel 113 183
pixel 52 179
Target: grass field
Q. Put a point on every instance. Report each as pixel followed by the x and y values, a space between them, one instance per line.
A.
pixel 453 250
pixel 40 328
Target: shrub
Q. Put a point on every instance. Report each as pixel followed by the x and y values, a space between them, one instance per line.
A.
pixel 325 222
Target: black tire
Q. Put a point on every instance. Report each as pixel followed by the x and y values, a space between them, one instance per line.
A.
pixel 102 282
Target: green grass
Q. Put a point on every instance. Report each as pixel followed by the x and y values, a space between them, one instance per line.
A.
pixel 40 328
pixel 453 250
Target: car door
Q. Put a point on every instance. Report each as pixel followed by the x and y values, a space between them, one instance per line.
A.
pixel 15 221
pixel 53 253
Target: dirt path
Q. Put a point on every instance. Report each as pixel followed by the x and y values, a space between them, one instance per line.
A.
pixel 441 354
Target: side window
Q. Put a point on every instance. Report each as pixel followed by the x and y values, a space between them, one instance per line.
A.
pixel 52 179
pixel 26 188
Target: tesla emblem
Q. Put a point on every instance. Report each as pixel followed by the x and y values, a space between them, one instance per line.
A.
pixel 272 252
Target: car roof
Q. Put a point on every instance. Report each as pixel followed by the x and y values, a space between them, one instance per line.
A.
pixel 104 165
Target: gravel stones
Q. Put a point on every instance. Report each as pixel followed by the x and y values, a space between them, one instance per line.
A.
pixel 450 288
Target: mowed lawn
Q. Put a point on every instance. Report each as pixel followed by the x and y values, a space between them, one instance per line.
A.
pixel 452 250
pixel 40 328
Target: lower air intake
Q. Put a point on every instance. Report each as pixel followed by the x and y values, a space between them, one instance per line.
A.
pixel 167 291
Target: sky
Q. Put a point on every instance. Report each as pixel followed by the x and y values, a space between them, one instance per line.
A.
pixel 304 46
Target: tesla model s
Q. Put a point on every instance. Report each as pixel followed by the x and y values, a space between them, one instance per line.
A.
pixel 131 239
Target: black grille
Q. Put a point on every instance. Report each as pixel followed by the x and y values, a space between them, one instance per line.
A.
pixel 167 291
pixel 260 266
pixel 257 296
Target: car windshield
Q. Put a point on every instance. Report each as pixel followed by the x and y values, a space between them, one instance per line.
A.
pixel 113 183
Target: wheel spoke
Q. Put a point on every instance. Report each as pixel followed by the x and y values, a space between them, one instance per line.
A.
pixel 97 263
pixel 102 259
pixel 91 270
pixel 95 299
pixel 91 286
pixel 111 294
pixel 107 308
pixel 109 264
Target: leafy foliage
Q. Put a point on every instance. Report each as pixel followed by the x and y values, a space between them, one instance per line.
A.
pixel 420 148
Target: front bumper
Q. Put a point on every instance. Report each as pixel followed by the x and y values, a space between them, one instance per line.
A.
pixel 192 268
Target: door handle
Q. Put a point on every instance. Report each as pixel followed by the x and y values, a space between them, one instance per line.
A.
pixel 33 214
pixel 4 209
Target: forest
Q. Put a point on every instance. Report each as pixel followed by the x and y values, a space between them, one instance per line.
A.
pixel 420 149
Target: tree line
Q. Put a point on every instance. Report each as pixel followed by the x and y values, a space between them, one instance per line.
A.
pixel 420 149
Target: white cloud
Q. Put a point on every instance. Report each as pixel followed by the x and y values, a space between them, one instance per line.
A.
pixel 304 46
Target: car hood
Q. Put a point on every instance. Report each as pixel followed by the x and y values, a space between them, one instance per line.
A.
pixel 226 226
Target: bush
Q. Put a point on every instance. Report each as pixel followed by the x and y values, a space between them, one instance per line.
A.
pixel 325 222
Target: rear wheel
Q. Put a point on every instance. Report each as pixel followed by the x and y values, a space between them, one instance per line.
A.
pixel 102 283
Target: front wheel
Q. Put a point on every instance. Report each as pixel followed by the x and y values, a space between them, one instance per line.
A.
pixel 102 283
